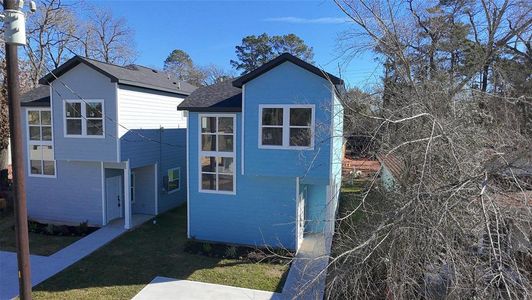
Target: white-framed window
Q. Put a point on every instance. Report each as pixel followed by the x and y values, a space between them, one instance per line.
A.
pixel 174 180
pixel 286 126
pixel 217 148
pixel 132 184
pixel 41 161
pixel 84 118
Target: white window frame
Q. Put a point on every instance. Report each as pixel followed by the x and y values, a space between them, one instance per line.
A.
pixel 217 154
pixel 31 143
pixel 168 180
pixel 286 126
pixel 84 118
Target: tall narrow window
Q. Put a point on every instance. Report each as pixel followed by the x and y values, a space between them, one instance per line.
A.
pixel 84 118
pixel 286 126
pixel 217 153
pixel 40 143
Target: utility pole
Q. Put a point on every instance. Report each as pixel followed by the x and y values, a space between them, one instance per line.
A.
pixel 14 36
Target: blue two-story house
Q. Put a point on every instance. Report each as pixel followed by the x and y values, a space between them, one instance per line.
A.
pixel 104 142
pixel 264 155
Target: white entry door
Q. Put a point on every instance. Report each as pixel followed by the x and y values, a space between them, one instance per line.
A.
pixel 300 218
pixel 114 203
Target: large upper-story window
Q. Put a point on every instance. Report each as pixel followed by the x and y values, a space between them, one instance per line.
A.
pixel 84 118
pixel 217 153
pixel 40 143
pixel 286 126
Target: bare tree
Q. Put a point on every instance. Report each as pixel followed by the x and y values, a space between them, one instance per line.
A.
pixel 457 223
pixel 50 37
pixel 106 38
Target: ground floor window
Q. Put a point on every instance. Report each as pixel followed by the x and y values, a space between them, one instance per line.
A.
pixel 174 180
pixel 217 153
pixel 40 143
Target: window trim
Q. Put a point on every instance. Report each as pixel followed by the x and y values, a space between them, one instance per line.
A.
pixel 30 143
pixel 168 183
pixel 83 118
pixel 217 153
pixel 286 127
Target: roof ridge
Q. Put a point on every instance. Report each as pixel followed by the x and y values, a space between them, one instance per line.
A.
pixel 114 65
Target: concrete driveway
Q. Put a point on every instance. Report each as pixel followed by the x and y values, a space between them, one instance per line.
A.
pixel 162 288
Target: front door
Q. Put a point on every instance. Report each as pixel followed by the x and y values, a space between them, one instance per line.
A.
pixel 113 188
pixel 300 217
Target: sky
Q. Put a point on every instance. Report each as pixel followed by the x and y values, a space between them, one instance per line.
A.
pixel 209 31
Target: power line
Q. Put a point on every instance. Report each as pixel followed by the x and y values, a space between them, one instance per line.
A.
pixel 135 131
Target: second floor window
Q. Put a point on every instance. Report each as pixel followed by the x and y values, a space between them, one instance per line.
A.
pixel 84 118
pixel 286 126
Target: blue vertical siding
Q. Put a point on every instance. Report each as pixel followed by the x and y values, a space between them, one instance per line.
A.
pixel 337 144
pixel 144 191
pixel 288 84
pixel 315 208
pixel 167 148
pixel 88 84
pixel 263 211
pixel 73 196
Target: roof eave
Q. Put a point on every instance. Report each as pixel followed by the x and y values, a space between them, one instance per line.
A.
pixel 211 109
pixel 151 87
pixel 69 65
pixel 239 82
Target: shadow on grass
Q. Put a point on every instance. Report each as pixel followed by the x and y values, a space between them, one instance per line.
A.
pixel 123 267
pixel 40 244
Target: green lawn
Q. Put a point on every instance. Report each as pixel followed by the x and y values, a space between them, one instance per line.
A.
pixel 122 268
pixel 40 244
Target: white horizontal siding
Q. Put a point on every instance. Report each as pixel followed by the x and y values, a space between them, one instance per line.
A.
pixel 143 110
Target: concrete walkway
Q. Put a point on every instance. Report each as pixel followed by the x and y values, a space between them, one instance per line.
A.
pixel 44 267
pixel 162 288
pixel 306 278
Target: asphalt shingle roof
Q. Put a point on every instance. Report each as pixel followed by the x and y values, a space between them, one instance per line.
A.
pixel 221 96
pixel 37 97
pixel 132 75
pixel 227 95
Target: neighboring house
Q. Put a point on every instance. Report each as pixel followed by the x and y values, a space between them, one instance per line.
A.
pixel 392 171
pixel 265 154
pixel 104 142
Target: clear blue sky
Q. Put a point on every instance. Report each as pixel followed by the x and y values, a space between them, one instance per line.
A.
pixel 209 31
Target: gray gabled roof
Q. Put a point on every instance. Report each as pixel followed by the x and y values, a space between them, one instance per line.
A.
pixel 239 82
pixel 132 75
pixel 37 97
pixel 227 95
pixel 221 96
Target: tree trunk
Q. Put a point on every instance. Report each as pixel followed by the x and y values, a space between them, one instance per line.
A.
pixel 485 70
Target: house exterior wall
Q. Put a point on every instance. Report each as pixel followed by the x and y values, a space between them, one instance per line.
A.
pixel 145 109
pixel 388 180
pixel 87 84
pixel 288 84
pixel 164 147
pixel 315 208
pixel 261 212
pixel 337 157
pixel 144 191
pixel 73 196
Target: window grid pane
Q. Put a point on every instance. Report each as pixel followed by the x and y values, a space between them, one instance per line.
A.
pixel 296 130
pixel 40 151
pixel 217 167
